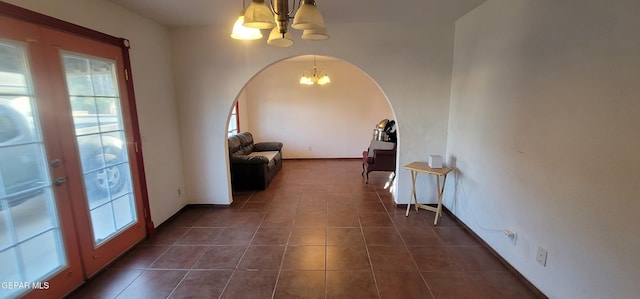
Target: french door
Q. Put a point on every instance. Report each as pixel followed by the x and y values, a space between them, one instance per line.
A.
pixel 69 198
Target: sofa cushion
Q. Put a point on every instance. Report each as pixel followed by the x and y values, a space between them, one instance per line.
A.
pixel 268 154
pixel 241 144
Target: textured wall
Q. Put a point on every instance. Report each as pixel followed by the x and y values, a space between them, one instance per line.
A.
pixel 544 132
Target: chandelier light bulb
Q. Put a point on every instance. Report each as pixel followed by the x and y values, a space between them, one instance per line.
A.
pixel 242 32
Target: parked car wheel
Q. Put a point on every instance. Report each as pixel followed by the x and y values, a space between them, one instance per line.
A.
pixel 109 179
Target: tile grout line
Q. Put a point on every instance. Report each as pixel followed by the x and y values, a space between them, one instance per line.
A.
pixel 243 253
pixel 284 252
pixel 366 246
pixel 148 268
pixel 326 243
pixel 404 243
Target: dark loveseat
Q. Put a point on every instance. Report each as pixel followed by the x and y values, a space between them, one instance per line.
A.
pixel 253 166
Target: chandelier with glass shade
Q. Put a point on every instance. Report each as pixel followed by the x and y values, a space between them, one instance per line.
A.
pixel 315 76
pixel 276 17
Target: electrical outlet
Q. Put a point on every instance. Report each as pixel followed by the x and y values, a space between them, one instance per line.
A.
pixel 541 257
pixel 511 235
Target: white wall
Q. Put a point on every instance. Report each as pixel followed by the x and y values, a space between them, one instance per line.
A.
pixel 153 83
pixel 242 110
pixel 332 121
pixel 211 69
pixel 545 115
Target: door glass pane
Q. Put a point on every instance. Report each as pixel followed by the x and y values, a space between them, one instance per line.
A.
pixel 31 247
pixel 94 98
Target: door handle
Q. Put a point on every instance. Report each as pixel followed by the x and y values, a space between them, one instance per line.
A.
pixel 59 181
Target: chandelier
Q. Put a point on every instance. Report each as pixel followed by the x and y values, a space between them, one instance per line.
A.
pixel 314 76
pixel 276 17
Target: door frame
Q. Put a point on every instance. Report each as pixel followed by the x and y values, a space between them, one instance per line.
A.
pixel 33 17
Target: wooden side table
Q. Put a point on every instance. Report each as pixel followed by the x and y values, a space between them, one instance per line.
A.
pixel 423 167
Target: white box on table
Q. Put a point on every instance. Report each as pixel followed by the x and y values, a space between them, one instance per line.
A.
pixel 435 161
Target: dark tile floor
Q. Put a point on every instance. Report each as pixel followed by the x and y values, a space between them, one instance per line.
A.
pixel 317 232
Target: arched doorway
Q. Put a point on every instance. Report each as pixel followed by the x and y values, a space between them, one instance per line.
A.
pixel 333 121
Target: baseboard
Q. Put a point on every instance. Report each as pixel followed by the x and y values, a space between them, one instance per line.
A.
pixel 187 206
pixel 484 244
pixel 207 205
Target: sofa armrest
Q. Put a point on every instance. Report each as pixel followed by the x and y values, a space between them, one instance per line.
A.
pixel 246 159
pixel 267 146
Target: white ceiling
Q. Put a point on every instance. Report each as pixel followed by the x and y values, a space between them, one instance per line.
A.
pixel 186 13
